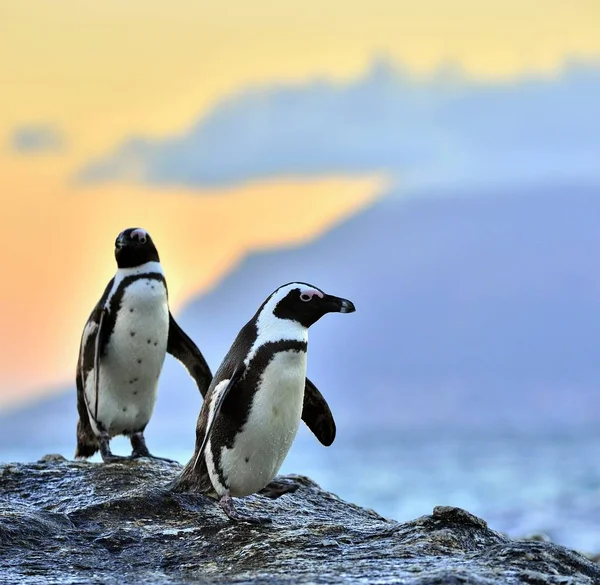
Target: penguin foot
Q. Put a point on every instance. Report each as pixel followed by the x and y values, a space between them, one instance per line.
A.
pixel 135 455
pixel 226 503
pixel 138 443
pixel 278 488
pixel 106 453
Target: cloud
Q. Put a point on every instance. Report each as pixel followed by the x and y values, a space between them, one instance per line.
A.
pixel 36 140
pixel 442 129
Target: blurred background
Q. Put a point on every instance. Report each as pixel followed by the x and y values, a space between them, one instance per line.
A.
pixel 436 162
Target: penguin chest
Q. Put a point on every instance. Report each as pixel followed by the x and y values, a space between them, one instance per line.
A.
pixel 133 359
pixel 273 420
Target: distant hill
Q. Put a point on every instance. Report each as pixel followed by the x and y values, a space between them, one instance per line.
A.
pixel 471 311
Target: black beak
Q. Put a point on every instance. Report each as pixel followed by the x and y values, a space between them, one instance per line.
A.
pixel 120 241
pixel 338 305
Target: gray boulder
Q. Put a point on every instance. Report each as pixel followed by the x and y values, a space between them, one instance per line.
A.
pixel 79 522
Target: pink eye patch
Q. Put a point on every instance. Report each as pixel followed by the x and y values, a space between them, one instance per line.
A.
pixel 140 235
pixel 308 294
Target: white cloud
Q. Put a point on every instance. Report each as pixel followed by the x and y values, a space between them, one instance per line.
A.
pixel 444 129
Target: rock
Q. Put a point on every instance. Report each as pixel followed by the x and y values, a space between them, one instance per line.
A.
pixel 539 536
pixel 79 522
pixel 595 557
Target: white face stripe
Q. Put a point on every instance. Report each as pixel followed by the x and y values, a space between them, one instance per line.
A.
pixel 271 328
pixel 284 290
pixel 139 233
pixel 307 294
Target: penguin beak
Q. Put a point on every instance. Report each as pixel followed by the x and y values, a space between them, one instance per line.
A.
pixel 338 305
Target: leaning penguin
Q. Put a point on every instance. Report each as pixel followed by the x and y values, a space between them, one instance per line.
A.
pixel 260 392
pixel 123 348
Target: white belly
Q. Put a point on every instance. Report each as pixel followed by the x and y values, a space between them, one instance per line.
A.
pixel 133 360
pixel 272 424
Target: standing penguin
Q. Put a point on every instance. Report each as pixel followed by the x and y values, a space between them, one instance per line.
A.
pixel 123 348
pixel 260 392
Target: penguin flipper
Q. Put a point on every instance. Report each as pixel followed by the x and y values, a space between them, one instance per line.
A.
pixel 183 349
pixel 317 414
pixel 87 444
pixel 101 335
pixel 213 404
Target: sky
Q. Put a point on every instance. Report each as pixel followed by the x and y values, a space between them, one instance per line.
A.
pixel 79 77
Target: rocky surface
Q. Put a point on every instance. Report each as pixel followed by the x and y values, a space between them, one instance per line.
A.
pixel 77 522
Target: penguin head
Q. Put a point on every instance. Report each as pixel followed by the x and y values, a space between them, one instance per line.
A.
pixel 305 303
pixel 134 247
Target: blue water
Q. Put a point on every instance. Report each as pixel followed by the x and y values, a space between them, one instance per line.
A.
pixel 520 484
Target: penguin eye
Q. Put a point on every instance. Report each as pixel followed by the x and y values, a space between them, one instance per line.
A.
pixel 139 235
pixel 305 297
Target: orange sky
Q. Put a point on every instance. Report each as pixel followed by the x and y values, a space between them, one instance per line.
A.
pixel 102 71
pixel 58 241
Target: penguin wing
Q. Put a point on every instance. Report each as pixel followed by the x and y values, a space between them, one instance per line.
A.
pixel 317 414
pixel 212 406
pixel 93 339
pixel 85 434
pixel 101 338
pixel 182 348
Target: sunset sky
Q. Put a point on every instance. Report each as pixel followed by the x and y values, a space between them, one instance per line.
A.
pixel 96 73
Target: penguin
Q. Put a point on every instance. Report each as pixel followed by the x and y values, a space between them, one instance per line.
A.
pixel 122 350
pixel 252 410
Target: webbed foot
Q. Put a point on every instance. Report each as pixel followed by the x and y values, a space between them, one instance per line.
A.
pixel 138 443
pixel 279 487
pixel 105 452
pixel 226 503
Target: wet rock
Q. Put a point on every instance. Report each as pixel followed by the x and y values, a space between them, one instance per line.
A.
pixel 79 522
